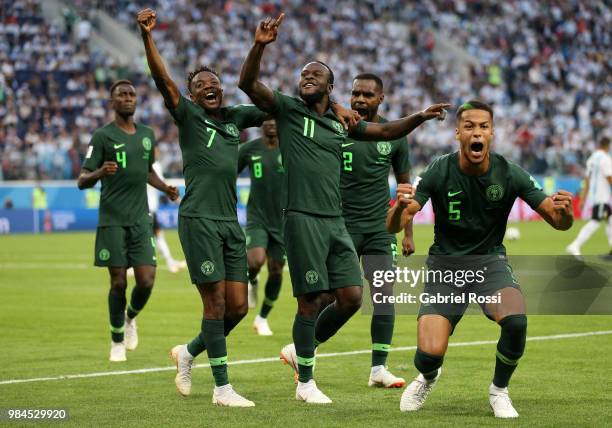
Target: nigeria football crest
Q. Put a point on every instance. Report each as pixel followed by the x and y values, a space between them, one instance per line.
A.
pixel 232 129
pixel 146 143
pixel 312 277
pixel 495 192
pixel 338 127
pixel 383 147
pixel 207 267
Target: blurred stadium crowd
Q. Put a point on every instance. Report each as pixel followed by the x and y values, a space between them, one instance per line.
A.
pixel 544 65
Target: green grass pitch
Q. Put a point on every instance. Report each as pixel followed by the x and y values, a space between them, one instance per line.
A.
pixel 53 322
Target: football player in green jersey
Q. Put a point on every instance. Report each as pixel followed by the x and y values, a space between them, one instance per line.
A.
pixel 320 252
pixel 211 238
pixel 121 155
pixel 264 219
pixel 472 192
pixel 364 187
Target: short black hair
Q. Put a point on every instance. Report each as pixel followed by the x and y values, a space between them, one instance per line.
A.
pixel 117 83
pixel 370 76
pixel 195 72
pixel 473 105
pixel 331 73
pixel 604 142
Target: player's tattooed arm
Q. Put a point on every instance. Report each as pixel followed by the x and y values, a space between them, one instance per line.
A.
pixel 155 181
pixel 403 210
pixel 146 21
pixel 408 247
pixel 401 127
pixel 558 210
pixel 249 82
pixel 89 178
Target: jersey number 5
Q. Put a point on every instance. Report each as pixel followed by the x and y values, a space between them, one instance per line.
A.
pixel 454 213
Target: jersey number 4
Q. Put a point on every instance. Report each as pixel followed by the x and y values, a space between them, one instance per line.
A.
pixel 122 159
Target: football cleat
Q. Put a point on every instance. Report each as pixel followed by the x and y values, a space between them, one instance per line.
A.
pixel 131 334
pixel 501 403
pixel 261 326
pixel 309 393
pixel 381 377
pixel 117 352
pixel 416 393
pixel 226 396
pixel 183 360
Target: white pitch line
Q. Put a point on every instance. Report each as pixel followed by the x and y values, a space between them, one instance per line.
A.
pixel 273 359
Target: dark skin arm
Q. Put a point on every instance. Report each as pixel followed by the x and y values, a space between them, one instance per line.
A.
pixel 88 179
pixel 401 127
pixel 405 208
pixel 557 210
pixel 154 180
pixel 408 240
pixel 261 95
pixel 249 82
pixel 167 87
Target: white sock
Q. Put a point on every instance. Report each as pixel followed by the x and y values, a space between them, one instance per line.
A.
pixel 162 245
pixel 609 231
pixel 585 233
pixel 223 388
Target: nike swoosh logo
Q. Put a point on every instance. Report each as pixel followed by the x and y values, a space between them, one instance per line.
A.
pixel 117 146
pixel 255 157
pixel 210 123
pixel 347 144
pixel 451 194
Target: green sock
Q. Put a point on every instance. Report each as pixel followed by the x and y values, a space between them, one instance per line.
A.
pixel 329 322
pixel 303 338
pixel 138 300
pixel 252 274
pixel 381 330
pixel 116 311
pixel 197 345
pixel 216 349
pixel 510 348
pixel 273 286
pixel 427 364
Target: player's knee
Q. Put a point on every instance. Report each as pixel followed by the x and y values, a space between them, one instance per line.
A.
pixel 426 362
pixel 349 303
pixel 237 311
pixel 256 260
pixel 118 284
pixel 513 336
pixel 147 281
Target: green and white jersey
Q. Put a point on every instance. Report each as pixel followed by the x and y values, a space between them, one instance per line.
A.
pixel 123 199
pixel 210 157
pixel 311 146
pixel 364 182
pixel 471 212
pixel 266 170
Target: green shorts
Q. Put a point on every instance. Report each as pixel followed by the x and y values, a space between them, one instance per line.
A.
pixel 378 251
pixel 214 249
pixel 125 246
pixel 497 275
pixel 320 253
pixel 259 236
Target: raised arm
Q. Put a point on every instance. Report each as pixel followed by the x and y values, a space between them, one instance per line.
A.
pixel 558 210
pixel 404 209
pixel 408 240
pixel 249 82
pixel 169 90
pixel 401 127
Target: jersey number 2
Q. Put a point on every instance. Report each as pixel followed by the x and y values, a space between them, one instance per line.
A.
pixel 348 161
